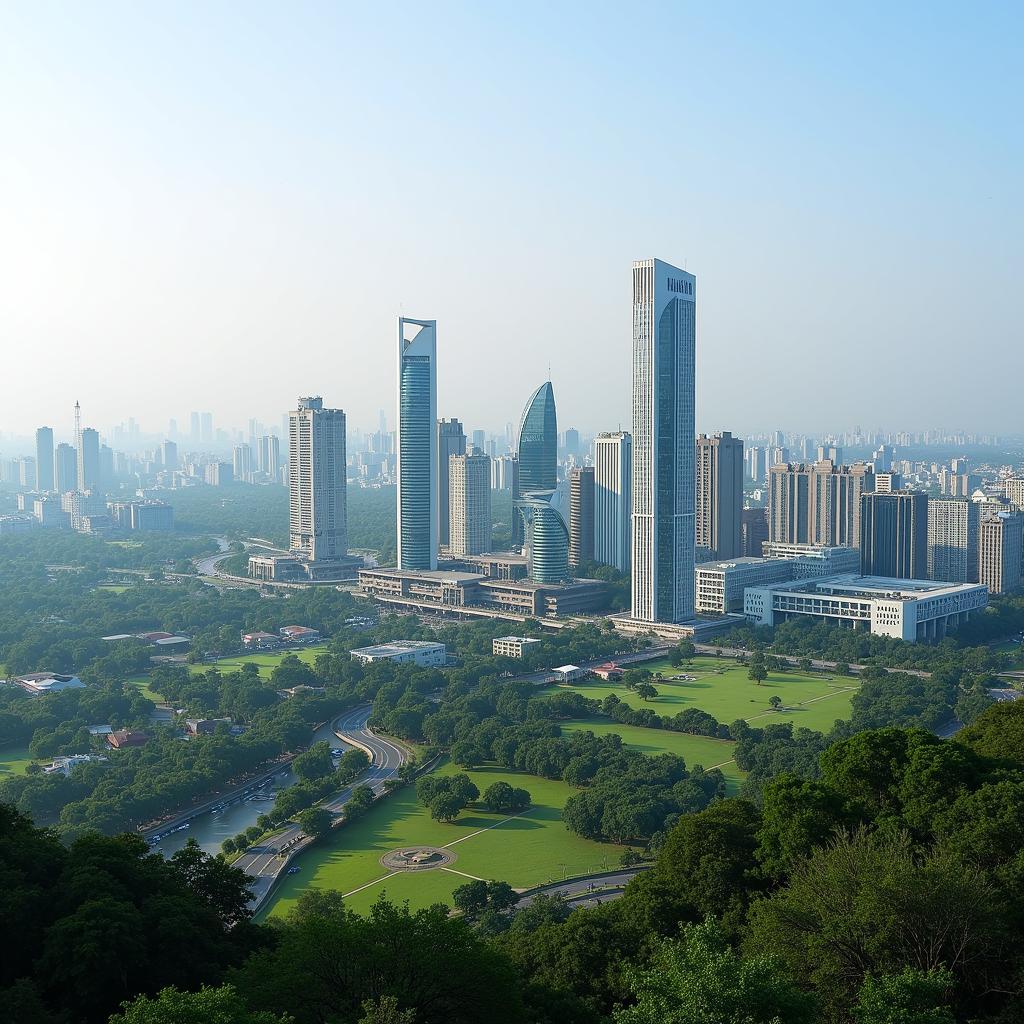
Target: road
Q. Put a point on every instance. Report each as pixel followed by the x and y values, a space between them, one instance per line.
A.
pixel 999 694
pixel 608 885
pixel 266 861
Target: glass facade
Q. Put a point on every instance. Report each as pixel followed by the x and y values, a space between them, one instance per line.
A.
pixel 538 442
pixel 417 446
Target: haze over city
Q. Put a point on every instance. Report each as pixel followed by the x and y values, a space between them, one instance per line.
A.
pixel 208 209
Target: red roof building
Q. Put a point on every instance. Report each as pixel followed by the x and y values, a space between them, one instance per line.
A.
pixel 127 738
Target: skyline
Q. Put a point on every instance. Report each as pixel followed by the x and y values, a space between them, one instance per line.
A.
pixel 188 232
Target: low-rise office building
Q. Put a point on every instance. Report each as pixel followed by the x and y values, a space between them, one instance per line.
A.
pixel 906 609
pixel 38 683
pixel 404 652
pixel 814 560
pixel 511 646
pixel 719 586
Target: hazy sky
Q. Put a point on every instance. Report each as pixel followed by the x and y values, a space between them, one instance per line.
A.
pixel 225 205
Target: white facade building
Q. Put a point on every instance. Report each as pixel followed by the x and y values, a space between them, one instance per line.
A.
pixel 403 652
pixel 663 479
pixel 719 585
pixel 814 560
pixel 906 609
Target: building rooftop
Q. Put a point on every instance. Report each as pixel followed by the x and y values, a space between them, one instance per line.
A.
pixel 398 647
pixel 519 639
pixel 436 575
pixel 875 587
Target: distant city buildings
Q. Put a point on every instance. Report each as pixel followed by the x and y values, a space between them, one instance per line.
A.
pixel 89 459
pixel 753 531
pixel 417 448
pixel 65 468
pixel 241 464
pixel 613 460
pixel 664 337
pixel 719 495
pixel 45 476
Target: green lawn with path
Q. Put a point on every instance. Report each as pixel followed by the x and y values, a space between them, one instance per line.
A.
pixel 141 683
pixel 265 661
pixel 524 850
pixel 14 760
pixel 721 688
pixel 702 750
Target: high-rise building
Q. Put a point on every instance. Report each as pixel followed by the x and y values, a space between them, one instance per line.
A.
pixel 1015 494
pixel 572 441
pixel 169 455
pixel 719 468
pixel 1000 543
pixel 317 500
pixel 613 460
pixel 664 338
pixel 469 496
pixel 194 430
pixel 219 474
pixel 65 468
pixel 888 482
pixel 417 444
pixel 894 535
pixel 480 439
pixel 818 504
pixel 206 426
pixel 504 473
pixel 241 463
pixel 831 452
pixel 757 464
pixel 451 440
pixel 538 503
pixel 581 516
pixel 268 456
pixel 754 531
pixel 953 540
pixel 27 473
pixel 88 459
pixel 45 478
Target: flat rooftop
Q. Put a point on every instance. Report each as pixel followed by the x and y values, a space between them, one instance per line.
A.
pixel 875 587
pixel 398 647
pixel 435 575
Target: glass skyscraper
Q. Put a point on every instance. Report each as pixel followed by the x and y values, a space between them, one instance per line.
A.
pixel 417 444
pixel 545 534
pixel 664 337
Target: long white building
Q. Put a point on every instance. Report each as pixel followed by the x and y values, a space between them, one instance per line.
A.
pixel 907 609
pixel 664 339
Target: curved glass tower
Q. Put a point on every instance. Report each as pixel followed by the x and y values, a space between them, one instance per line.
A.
pixel 545 534
pixel 538 442
pixel 417 448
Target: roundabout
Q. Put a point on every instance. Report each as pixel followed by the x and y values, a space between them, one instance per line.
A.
pixel 418 858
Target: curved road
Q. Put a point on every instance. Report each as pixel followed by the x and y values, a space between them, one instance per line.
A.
pixel 266 861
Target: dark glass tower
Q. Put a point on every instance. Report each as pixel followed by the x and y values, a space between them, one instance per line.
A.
pixel 538 442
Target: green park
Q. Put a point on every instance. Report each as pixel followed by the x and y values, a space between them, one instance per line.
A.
pixel 525 849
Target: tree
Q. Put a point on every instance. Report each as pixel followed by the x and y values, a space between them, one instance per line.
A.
pixel 698 979
pixel 757 672
pixel 386 1011
pixel 775 701
pixel 498 796
pixel 358 803
pixel 501 896
pixel 806 665
pixel 467 754
pixel 226 889
pixel 909 997
pixel 315 763
pixel 315 821
pixel 470 898
pixel 446 807
pixel 221 1005
pixel 646 691
pixel 842 669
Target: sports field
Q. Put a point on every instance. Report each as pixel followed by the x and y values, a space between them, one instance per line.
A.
pixel 141 683
pixel 14 760
pixel 702 750
pixel 524 850
pixel 721 688
pixel 265 661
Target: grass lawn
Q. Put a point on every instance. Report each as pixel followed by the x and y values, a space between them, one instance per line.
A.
pixel 114 588
pixel 702 750
pixel 141 683
pixel 722 689
pixel 14 760
pixel 524 851
pixel 265 661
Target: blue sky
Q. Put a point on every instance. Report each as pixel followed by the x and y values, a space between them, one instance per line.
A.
pixel 222 206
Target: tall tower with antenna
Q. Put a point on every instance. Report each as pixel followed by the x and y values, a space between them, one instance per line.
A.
pixel 78 425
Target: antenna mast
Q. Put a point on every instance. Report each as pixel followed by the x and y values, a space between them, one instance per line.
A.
pixel 78 425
